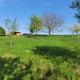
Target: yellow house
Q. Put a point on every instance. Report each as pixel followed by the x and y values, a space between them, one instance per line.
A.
pixel 18 33
pixel 15 33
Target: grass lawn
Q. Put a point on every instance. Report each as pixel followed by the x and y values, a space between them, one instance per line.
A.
pixel 40 58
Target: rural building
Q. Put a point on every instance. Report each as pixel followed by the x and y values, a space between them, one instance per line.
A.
pixel 15 33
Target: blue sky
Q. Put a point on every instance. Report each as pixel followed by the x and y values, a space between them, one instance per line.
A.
pixel 23 9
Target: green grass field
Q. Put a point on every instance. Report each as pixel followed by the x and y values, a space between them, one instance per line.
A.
pixel 40 58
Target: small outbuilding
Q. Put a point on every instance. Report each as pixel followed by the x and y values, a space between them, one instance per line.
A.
pixel 15 33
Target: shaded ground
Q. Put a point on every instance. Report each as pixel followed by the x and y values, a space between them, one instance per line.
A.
pixel 53 52
pixel 67 62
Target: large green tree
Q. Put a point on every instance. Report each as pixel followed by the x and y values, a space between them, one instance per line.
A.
pixel 36 24
pixel 76 6
pixel 2 31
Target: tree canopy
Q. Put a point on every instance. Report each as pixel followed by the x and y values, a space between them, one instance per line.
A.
pixel 51 21
pixel 76 6
pixel 36 24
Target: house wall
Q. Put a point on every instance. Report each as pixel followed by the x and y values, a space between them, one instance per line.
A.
pixel 18 34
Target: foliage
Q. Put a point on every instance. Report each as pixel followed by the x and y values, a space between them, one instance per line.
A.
pixel 2 31
pixel 76 28
pixel 12 68
pixel 76 5
pixel 36 24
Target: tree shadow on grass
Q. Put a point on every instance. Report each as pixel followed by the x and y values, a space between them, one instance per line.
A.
pixel 57 52
pixel 13 68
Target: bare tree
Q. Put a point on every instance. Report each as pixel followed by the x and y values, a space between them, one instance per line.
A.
pixel 11 26
pixel 8 27
pixel 51 21
pixel 76 29
pixel 71 29
pixel 14 25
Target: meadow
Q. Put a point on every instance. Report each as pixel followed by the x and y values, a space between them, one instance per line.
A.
pixel 40 58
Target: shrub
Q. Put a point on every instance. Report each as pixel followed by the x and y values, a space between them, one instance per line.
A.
pixel 2 31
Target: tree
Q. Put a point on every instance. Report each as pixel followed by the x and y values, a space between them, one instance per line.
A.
pixel 14 25
pixel 11 26
pixel 36 24
pixel 76 29
pixel 72 30
pixel 7 23
pixel 76 6
pixel 32 29
pixel 51 22
pixel 2 31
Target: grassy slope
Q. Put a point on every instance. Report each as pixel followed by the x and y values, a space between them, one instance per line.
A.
pixel 54 58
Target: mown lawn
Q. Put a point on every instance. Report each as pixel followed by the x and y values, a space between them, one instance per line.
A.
pixel 40 58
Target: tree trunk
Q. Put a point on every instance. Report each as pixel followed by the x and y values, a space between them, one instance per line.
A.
pixel 36 32
pixel 11 41
pixel 49 32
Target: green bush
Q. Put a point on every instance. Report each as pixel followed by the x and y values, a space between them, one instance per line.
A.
pixel 2 31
